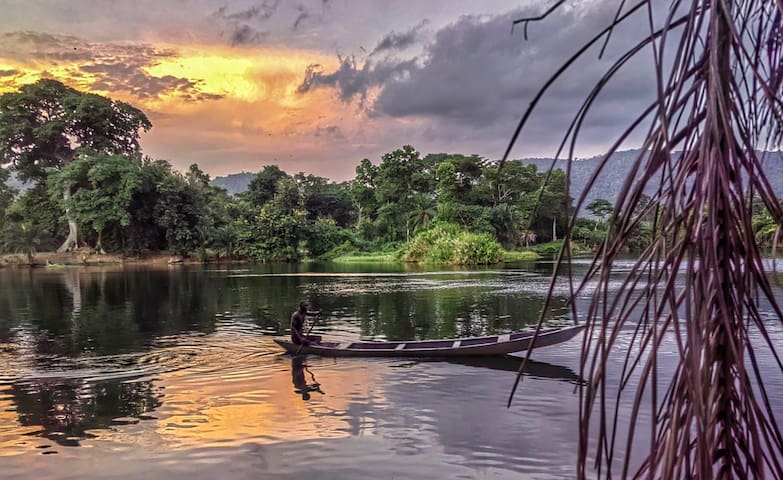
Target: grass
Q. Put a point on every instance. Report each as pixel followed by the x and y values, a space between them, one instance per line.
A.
pixel 360 257
pixel 520 256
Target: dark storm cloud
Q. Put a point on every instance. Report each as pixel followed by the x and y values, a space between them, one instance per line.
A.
pixel 243 27
pixel 400 41
pixel 475 71
pixel 475 78
pixel 352 81
pixel 113 67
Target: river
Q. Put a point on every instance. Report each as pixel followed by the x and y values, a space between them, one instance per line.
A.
pixel 171 372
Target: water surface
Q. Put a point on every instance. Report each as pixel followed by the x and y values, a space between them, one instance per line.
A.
pixel 172 373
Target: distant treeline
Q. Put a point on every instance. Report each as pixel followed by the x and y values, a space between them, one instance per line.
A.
pixel 90 185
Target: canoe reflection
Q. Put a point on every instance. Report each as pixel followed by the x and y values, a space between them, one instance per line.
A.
pixel 512 363
pixel 301 385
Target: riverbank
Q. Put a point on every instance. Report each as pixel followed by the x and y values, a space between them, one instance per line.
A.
pixel 87 257
pixel 359 257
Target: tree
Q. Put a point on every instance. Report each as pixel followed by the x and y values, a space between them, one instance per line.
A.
pixel 6 193
pixel 547 209
pixel 280 225
pixel 44 125
pixel 717 99
pixel 362 190
pixel 264 185
pixel 181 211
pixel 467 173
pixel 401 174
pixel 32 219
pixel 144 233
pixel 423 211
pixel 323 198
pixel 104 187
pixel 601 209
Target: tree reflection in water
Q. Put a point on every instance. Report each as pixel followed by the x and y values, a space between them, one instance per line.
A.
pixel 66 409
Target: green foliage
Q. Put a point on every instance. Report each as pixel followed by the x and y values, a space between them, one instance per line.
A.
pixel 601 209
pixel 764 225
pixel 181 211
pixel 275 233
pixel 33 219
pixel 448 243
pixel 326 199
pixel 588 232
pixel 423 210
pixel 473 217
pixel 324 236
pixel 104 187
pixel 44 124
pixel 134 205
pixel 6 194
pixel 549 249
pixel 547 210
pixel 264 186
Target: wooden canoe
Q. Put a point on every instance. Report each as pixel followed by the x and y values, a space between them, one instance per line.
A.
pixel 490 345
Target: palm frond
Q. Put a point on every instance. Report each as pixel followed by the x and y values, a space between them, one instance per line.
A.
pixel 701 282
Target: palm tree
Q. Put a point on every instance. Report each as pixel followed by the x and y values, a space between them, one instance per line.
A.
pixel 701 280
pixel 424 210
pixel 527 237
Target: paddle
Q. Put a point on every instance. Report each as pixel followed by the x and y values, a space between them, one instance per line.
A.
pixel 308 332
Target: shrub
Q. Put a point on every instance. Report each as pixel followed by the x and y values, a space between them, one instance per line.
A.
pixel 448 243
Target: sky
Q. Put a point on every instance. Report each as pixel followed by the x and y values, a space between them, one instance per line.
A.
pixel 318 85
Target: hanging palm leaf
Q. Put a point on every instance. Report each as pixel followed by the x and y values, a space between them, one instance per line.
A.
pixel 701 281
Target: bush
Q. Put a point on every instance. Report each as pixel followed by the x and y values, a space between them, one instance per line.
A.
pixel 550 249
pixel 448 243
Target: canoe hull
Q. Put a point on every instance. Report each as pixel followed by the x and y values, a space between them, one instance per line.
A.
pixel 475 346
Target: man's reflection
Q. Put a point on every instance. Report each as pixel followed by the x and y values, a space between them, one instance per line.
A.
pixel 301 386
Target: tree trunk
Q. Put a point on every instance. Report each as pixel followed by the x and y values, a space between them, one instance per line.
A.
pixel 554 229
pixel 73 229
pixel 99 244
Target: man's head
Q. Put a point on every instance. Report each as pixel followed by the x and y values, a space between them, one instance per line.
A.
pixel 303 306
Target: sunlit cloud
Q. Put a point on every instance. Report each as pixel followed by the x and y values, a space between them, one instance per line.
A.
pixel 317 86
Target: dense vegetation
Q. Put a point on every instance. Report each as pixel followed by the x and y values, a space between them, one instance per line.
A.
pixel 91 184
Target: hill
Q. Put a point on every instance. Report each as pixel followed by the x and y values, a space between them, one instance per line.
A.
pixel 614 174
pixel 234 182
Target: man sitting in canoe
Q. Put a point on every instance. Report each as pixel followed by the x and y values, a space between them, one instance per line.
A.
pixel 297 326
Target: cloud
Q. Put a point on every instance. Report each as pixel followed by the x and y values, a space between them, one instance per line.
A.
pixel 352 81
pixel 330 131
pixel 474 79
pixel 400 41
pixel 8 73
pixel 237 26
pixel 244 35
pixel 111 67
pixel 303 15
pixel 262 11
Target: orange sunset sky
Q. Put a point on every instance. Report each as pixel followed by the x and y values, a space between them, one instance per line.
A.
pixel 315 85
